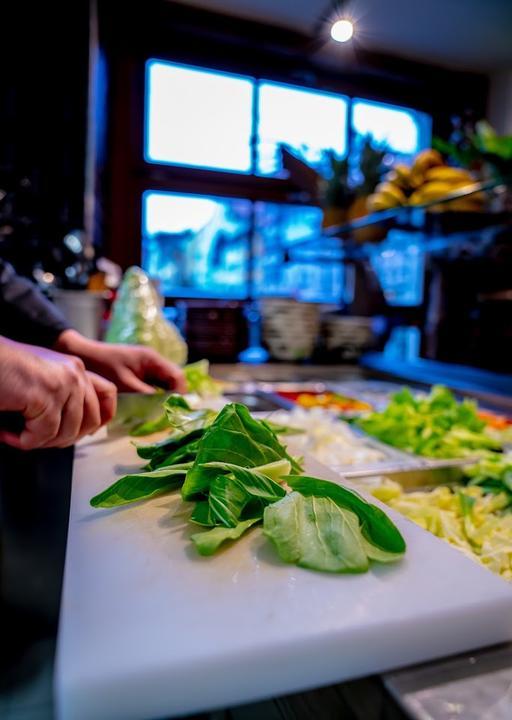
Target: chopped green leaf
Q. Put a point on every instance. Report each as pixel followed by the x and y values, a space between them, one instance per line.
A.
pixel 207 543
pixel 227 499
pixel 376 527
pixel 141 486
pixel 234 437
pixel 151 426
pixel 315 533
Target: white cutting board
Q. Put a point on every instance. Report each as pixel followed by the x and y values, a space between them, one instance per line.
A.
pixel 148 629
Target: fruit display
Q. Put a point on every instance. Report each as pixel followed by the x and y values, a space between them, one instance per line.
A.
pixel 427 180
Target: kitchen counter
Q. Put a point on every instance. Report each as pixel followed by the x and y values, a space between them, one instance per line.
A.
pixel 471 686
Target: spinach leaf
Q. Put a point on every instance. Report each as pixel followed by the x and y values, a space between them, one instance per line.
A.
pixel 376 527
pixel 234 437
pixel 207 543
pixel 141 486
pixel 315 533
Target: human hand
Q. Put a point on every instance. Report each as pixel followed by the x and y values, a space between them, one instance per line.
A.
pixel 130 367
pixel 59 400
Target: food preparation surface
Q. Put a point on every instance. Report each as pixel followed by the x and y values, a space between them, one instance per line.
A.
pixel 149 629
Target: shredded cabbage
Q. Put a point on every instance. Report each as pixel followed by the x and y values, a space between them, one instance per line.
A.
pixel 476 523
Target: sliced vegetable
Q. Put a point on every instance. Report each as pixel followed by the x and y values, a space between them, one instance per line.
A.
pixel 200 381
pixel 476 523
pixel 434 426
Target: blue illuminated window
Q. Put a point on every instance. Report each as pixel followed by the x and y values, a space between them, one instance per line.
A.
pixel 403 131
pixel 307 121
pixel 198 117
pixel 196 245
pixel 288 244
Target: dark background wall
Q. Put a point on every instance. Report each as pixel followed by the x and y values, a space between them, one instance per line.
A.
pixel 44 51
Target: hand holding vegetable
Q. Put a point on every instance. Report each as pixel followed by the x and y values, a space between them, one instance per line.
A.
pixel 59 400
pixel 132 368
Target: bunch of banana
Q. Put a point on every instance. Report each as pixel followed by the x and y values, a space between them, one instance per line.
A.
pixel 428 179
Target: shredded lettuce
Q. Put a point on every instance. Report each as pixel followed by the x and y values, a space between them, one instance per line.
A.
pixel 434 426
pixel 200 381
pixel 476 523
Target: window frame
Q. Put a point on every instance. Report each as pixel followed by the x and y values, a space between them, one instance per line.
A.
pixel 131 176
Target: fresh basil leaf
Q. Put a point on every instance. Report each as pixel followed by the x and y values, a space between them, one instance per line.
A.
pixel 226 499
pixel 375 524
pixel 141 486
pixel 315 533
pixel 234 437
pixel 207 543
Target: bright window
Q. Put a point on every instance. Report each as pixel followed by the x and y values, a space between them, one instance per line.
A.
pixel 196 245
pixel 404 131
pixel 307 121
pixel 198 117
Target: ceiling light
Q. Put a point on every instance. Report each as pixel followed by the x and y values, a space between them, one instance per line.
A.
pixel 342 30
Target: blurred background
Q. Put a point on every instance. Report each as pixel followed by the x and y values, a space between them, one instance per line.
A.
pixel 327 180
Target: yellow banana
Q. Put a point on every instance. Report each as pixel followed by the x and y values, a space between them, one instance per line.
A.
pixel 426 159
pixel 448 174
pixel 380 201
pixel 395 192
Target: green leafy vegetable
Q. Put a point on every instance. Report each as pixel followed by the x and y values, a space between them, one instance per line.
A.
pixel 231 465
pixel 493 474
pixel 376 527
pixel 226 499
pixel 234 437
pixel 207 543
pixel 159 451
pixel 141 486
pixel 182 417
pixel 200 381
pixel 151 426
pixel 315 533
pixel 434 426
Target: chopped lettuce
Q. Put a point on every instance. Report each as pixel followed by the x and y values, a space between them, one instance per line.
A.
pixel 200 381
pixel 476 523
pixel 433 426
